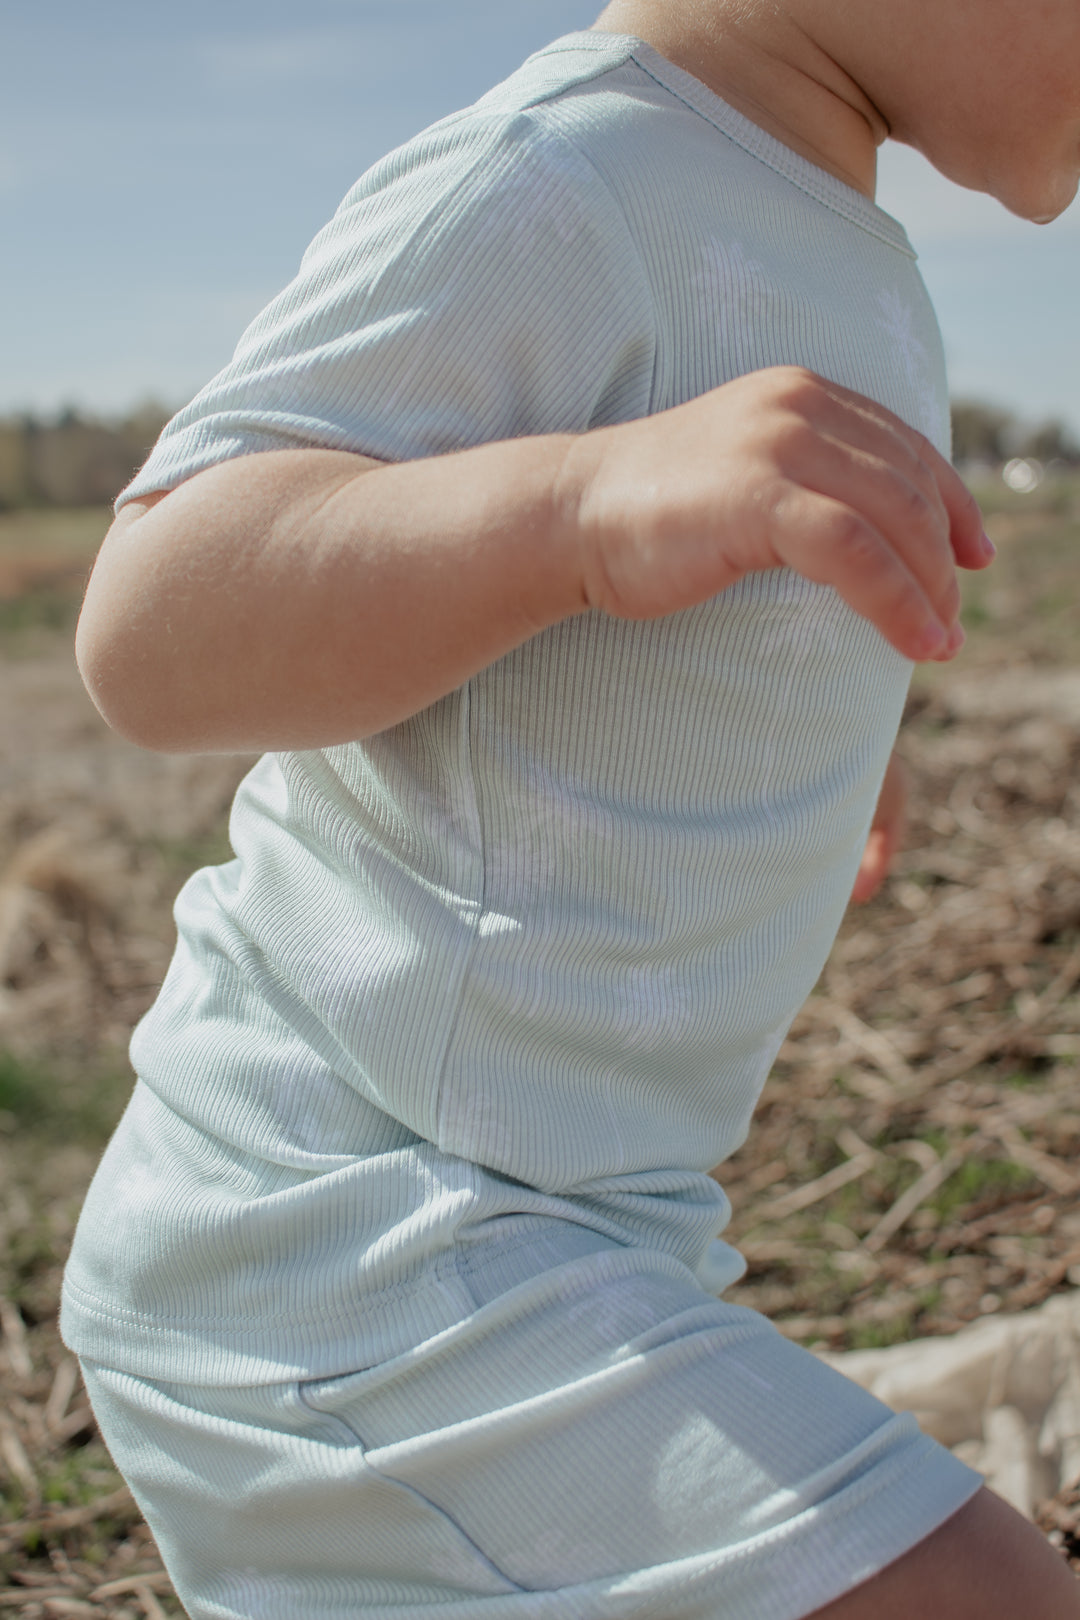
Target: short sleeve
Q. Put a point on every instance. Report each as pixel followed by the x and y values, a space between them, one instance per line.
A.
pixel 479 284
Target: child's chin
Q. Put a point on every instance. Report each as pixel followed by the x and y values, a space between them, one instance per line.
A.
pixel 1048 205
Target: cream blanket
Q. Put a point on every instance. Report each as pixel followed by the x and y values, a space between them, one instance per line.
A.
pixel 1003 1394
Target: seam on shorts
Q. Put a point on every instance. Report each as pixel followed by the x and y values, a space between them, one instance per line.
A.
pixel 356 1440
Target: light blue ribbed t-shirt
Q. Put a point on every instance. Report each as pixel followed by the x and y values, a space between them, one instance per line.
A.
pixel 513 972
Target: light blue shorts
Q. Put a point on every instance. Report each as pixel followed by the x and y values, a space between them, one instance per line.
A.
pixel 602 1440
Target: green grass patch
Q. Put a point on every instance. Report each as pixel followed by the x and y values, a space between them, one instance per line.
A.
pixel 182 856
pixel 1027 600
pixel 45 559
pixel 1024 1079
pixel 981 1181
pixel 897 1327
pixel 934 1137
pixel 78 1477
pixel 977 614
pixel 18 1089
pixel 40 1103
pixel 1057 496
pixel 76 532
pixel 43 608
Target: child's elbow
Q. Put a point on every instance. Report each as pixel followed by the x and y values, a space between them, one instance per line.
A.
pixel 120 643
pixel 118 680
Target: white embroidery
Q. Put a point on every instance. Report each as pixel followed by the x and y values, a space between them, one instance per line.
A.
pixel 919 367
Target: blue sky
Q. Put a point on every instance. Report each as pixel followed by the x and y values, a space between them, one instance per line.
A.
pixel 162 169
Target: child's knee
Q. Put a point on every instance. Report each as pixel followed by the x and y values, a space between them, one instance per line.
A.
pixel 985 1563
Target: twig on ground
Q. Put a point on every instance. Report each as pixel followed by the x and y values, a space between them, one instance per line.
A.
pixel 830 1182
pixel 152 1580
pixel 871 1042
pixel 63 1388
pixel 1048 1170
pixel 13 1330
pixel 115 1504
pixel 14 1458
pixel 909 1201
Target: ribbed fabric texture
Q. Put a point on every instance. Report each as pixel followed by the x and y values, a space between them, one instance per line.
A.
pixel 526 958
pixel 605 1443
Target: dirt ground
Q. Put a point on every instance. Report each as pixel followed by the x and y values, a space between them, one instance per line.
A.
pixel 915 1162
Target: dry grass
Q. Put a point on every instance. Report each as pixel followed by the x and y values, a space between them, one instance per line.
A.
pixel 916 1156
pixel 44 561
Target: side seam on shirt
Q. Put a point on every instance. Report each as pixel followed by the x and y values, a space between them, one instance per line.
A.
pixel 468 753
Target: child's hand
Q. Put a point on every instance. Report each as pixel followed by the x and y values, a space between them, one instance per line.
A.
pixel 777 469
pixel 886 833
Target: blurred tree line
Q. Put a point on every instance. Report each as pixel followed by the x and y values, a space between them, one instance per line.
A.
pixel 988 434
pixel 72 459
pixel 79 460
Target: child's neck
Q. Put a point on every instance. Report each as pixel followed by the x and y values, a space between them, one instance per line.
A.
pixel 767 65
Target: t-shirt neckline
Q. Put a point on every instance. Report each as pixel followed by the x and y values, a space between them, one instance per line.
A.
pixel 819 183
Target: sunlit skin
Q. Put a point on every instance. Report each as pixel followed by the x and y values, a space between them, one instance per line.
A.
pixel 988 90
pixel 886 833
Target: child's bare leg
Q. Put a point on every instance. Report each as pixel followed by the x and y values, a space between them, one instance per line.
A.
pixel 985 1563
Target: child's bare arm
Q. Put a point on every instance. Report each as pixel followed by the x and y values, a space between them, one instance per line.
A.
pixel 297 599
pixel 886 833
pixel 301 598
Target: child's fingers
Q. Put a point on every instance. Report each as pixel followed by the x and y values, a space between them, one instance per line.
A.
pixel 970 543
pixel 827 542
pixel 906 509
pixel 967 536
pixel 867 426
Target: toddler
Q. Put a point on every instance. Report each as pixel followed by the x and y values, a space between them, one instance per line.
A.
pixel 564 534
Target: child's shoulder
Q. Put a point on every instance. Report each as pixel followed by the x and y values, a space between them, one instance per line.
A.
pixel 568 63
pixel 547 114
pixel 599 112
